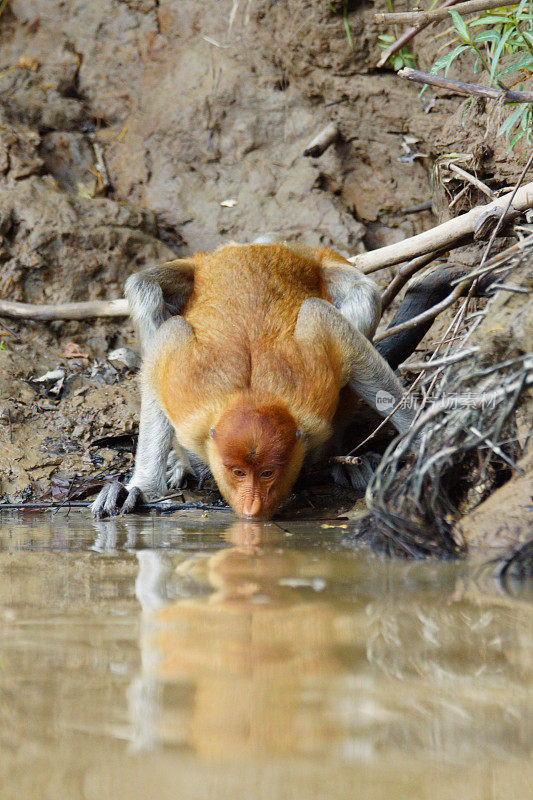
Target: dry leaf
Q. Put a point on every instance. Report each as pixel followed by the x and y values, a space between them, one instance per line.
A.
pixel 73 350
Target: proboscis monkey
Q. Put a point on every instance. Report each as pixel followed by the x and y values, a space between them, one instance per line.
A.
pixel 246 351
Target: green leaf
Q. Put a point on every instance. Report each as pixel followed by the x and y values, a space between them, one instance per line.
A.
pixel 496 55
pixel 460 25
pixel 526 121
pixel 516 138
pixel 446 61
pixel 453 55
pixel 487 36
pixel 441 63
pixel 508 124
pixel 493 19
pixel 524 62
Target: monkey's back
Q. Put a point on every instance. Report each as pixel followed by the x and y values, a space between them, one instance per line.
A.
pixel 243 311
pixel 251 291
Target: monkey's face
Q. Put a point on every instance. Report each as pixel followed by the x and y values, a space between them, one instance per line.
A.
pixel 255 455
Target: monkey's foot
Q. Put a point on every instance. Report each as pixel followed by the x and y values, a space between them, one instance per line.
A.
pixel 115 499
pixel 357 474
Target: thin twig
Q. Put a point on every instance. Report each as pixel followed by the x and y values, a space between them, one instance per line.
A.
pixel 472 179
pixel 499 260
pixel 427 205
pixel 496 449
pixel 416 366
pixel 404 274
pixel 507 287
pixel 462 87
pixel 425 17
pixel 458 197
pixel 407 36
pixel 431 313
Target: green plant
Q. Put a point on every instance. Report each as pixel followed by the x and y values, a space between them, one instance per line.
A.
pixel 2 345
pixel 402 58
pixel 345 19
pixel 490 38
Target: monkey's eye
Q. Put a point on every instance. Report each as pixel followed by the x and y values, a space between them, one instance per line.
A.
pixel 239 473
pixel 266 473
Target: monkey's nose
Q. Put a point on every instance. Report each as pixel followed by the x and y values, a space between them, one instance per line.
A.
pixel 252 506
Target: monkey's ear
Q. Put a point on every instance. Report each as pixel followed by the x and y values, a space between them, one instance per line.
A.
pixel 212 433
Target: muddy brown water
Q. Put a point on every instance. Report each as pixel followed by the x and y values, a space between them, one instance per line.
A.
pixel 198 657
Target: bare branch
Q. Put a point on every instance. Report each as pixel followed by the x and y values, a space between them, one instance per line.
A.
pixel 431 313
pixel 404 274
pixel 448 234
pixel 407 36
pixel 472 179
pixel 425 366
pixel 87 310
pixel 425 17
pixel 461 87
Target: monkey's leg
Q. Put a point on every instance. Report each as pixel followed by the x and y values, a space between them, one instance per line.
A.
pixel 355 295
pixel 155 432
pixel 157 294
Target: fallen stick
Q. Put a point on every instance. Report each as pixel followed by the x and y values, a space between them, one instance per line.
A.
pixel 462 173
pixel 86 310
pixel 322 141
pixel 465 88
pixel 448 234
pixel 460 284
pixel 407 36
pixel 425 17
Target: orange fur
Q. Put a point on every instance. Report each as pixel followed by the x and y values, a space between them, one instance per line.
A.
pixel 246 376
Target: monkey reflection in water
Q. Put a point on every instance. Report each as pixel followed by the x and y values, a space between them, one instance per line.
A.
pixel 247 645
pixel 260 649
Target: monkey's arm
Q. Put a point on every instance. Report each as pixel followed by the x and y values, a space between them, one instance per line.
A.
pixel 364 369
pixel 155 431
pixel 149 476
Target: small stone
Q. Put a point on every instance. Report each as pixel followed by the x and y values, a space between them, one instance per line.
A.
pixel 124 358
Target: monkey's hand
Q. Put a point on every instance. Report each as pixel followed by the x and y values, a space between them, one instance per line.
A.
pixel 178 467
pixel 115 498
pixel 357 473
